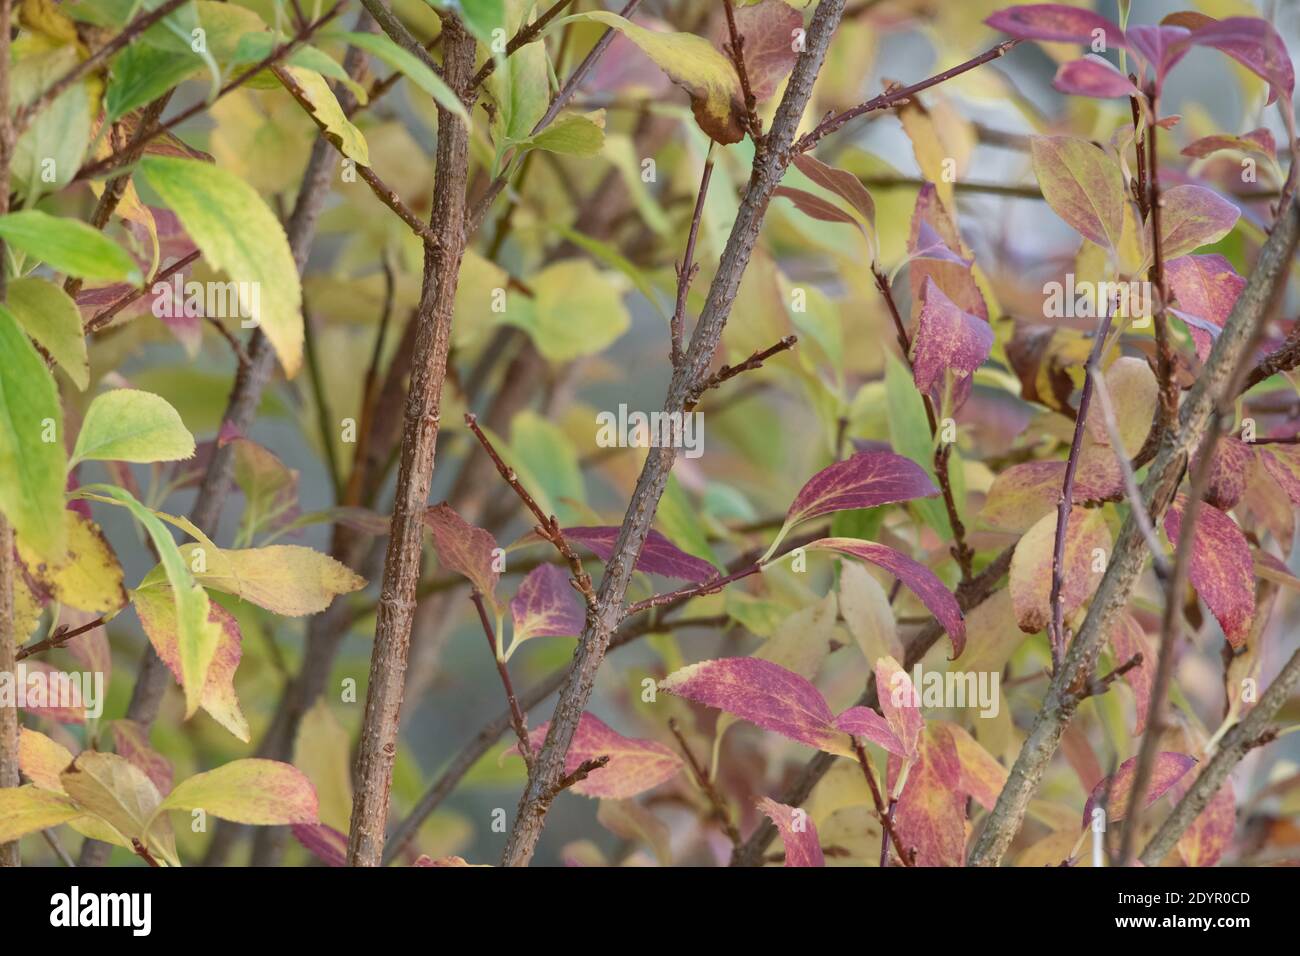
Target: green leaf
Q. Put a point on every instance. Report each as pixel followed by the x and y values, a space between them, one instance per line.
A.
pixel 32 469
pixel 575 311
pixel 197 636
pixel 256 47
pixel 522 92
pixel 239 235
pixel 56 141
pixel 543 452
pixel 51 317
pixel 482 16
pixel 909 434
pixel 69 246
pixel 410 67
pixel 573 134
pixel 141 73
pixel 339 130
pixel 127 424
pixel 258 792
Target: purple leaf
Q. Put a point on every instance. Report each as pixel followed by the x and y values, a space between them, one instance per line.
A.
pixel 325 843
pixel 760 692
pixel 658 554
pixel 546 606
pixel 1093 76
pixel 463 548
pixel 814 207
pixel 899 703
pixel 947 339
pixel 1161 46
pixel 1118 788
pixel 865 722
pixel 841 182
pixel 1055 22
pixel 1256 141
pixel 921 580
pixel 1206 287
pixel 798 834
pixel 865 480
pixel 1254 44
pixel 1220 570
pixel 930 245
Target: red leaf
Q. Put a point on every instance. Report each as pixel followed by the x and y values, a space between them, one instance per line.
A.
pixel 922 581
pixel 798 833
pixel 865 480
pixel 762 693
pixel 841 182
pixel 463 548
pixel 658 554
pixel 1207 287
pixel 947 339
pixel 931 812
pixel 1161 46
pixel 1118 788
pixel 899 703
pixel 768 28
pixel 814 207
pixel 323 842
pixel 546 606
pixel 1093 76
pixel 1254 44
pixel 1220 569
pixel 1126 639
pixel 1208 838
pixel 635 765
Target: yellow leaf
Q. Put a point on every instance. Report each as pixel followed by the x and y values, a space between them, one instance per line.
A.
pixel 322 752
pixel 90 579
pixel 339 130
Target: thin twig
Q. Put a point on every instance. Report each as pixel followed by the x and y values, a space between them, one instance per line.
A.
pixel 736 49
pixel 888 834
pixel 728 372
pixel 525 35
pixel 516 715
pixel 100 319
pixel 58 638
pixel 688 268
pixel 701 775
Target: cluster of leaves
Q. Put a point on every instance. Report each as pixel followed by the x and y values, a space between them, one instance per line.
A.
pixel 974 460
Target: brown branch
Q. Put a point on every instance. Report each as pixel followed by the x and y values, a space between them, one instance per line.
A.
pixel 1066 500
pixel 579 774
pixel 547 525
pixel 516 715
pixel 60 637
pixel 969 595
pixel 720 812
pixel 688 268
pixel 143 852
pixel 769 167
pixel 888 833
pixel 1165 361
pixel 736 50
pixel 131 32
pixel 378 747
pixel 728 372
pixel 896 97
pixel 1240 739
pixel 525 35
pixel 1248 315
pixel 106 315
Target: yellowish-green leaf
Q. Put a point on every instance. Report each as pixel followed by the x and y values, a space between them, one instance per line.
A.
pixel 385 49
pixel 67 245
pixel 89 579
pixel 51 149
pixel 574 134
pixel 127 424
pixel 121 795
pixel 339 130
pixel 27 809
pixel 323 752
pixel 259 792
pixel 32 470
pixel 576 310
pixel 239 235
pixel 694 64
pixel 51 318
pixel 42 760
pixel 1082 185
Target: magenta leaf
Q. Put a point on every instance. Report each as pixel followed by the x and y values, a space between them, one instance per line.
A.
pixel 1256 141
pixel 546 606
pixel 760 692
pixel 864 722
pixel 798 833
pixel 658 554
pixel 922 581
pixel 1117 790
pixel 635 765
pixel 1161 46
pixel 463 548
pixel 1093 76
pixel 1254 44
pixel 899 703
pixel 864 480
pixel 1055 22
pixel 947 340
pixel 1221 570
